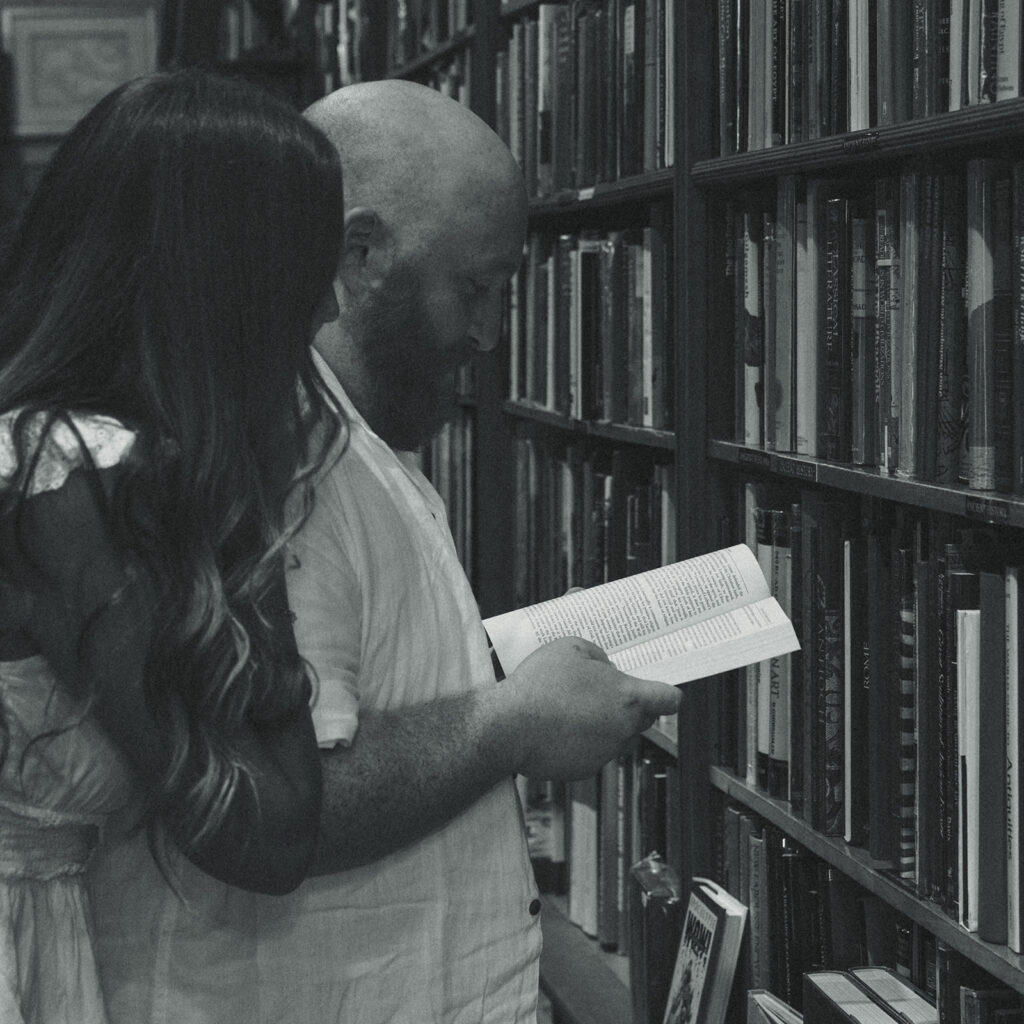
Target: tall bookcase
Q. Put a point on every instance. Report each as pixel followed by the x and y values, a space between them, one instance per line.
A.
pixel 880 112
pixel 902 460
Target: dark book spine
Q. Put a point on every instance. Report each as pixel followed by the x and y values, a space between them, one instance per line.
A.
pixel 992 761
pixel 796 695
pixel 822 531
pixel 927 723
pixel 839 77
pixel 882 702
pixel 857 689
pixel 564 100
pixel 951 435
pixel 753 328
pixel 796 71
pixel 1017 298
pixel 907 807
pixel 834 418
pixel 863 413
pixel 777 108
pixel 765 557
pixel 1003 398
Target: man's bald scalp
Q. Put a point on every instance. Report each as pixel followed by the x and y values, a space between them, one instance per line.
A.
pixel 415 156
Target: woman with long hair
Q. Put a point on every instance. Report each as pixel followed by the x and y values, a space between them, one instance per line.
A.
pixel 161 420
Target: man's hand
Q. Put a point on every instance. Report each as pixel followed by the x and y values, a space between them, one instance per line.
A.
pixel 566 710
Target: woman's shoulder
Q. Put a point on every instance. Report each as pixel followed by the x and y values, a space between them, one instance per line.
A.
pixel 59 445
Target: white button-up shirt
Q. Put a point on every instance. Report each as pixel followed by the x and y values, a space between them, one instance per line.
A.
pixel 441 931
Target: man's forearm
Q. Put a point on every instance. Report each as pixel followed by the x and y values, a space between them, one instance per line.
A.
pixel 407 773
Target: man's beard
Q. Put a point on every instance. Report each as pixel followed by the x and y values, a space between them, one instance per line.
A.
pixel 409 371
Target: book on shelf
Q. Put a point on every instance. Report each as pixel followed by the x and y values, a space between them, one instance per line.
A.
pixel 999 1005
pixel 764 1007
pixel 690 620
pixel 1014 653
pixel 896 995
pixel 709 949
pixel 834 997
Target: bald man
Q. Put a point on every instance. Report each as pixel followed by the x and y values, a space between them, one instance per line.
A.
pixel 421 906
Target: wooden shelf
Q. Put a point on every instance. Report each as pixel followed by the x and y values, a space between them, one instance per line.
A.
pixel 585 984
pixel 513 8
pixel 983 506
pixel 855 863
pixel 982 125
pixel 641 188
pixel 458 41
pixel 643 436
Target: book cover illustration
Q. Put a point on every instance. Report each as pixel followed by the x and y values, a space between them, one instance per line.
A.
pixel 706 961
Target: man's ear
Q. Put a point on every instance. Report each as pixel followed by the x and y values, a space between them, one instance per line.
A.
pixel 366 250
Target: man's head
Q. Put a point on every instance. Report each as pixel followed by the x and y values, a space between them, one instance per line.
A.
pixel 434 226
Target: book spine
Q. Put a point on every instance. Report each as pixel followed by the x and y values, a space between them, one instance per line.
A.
pixel 864 418
pixel 909 202
pixel 1008 50
pixel 1014 888
pixel 991 718
pixel 780 667
pixel 883 325
pixel 765 559
pixel 806 303
pixel 952 435
pixel 982 182
pixel 856 686
pixel 834 406
pixel 780 396
pixel 1017 298
pixel 908 792
pixel 753 328
pixel 927 725
pixel 882 738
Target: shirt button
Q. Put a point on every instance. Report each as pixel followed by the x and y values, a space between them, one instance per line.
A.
pixel 534 908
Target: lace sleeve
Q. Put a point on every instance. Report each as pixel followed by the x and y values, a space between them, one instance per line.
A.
pixel 107 441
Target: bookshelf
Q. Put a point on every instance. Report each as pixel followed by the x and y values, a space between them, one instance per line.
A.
pixel 880 503
pixel 696 192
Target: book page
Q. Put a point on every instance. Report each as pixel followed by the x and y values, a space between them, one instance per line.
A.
pixel 731 640
pixel 650 604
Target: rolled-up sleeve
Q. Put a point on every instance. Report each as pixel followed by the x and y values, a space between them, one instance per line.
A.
pixel 324 595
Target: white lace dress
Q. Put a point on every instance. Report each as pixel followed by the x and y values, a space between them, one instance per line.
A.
pixel 55 795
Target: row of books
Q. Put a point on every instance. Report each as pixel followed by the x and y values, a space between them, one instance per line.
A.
pixel 793 70
pixel 587 515
pixel 805 918
pixel 239 31
pixel 451 76
pixel 587 325
pixel 586 92
pixel 911 658
pixel 417 27
pixel 877 325
pixel 584 836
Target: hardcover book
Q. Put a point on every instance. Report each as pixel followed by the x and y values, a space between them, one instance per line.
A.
pixel 833 997
pixel 896 995
pixel 708 951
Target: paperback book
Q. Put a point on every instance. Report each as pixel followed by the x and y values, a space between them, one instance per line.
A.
pixel 680 622
pixel 708 951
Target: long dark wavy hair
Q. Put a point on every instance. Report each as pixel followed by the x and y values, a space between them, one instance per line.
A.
pixel 166 273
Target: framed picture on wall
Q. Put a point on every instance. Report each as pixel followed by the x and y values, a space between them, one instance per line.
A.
pixel 64 59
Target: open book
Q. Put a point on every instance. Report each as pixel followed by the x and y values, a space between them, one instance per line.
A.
pixel 684 621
